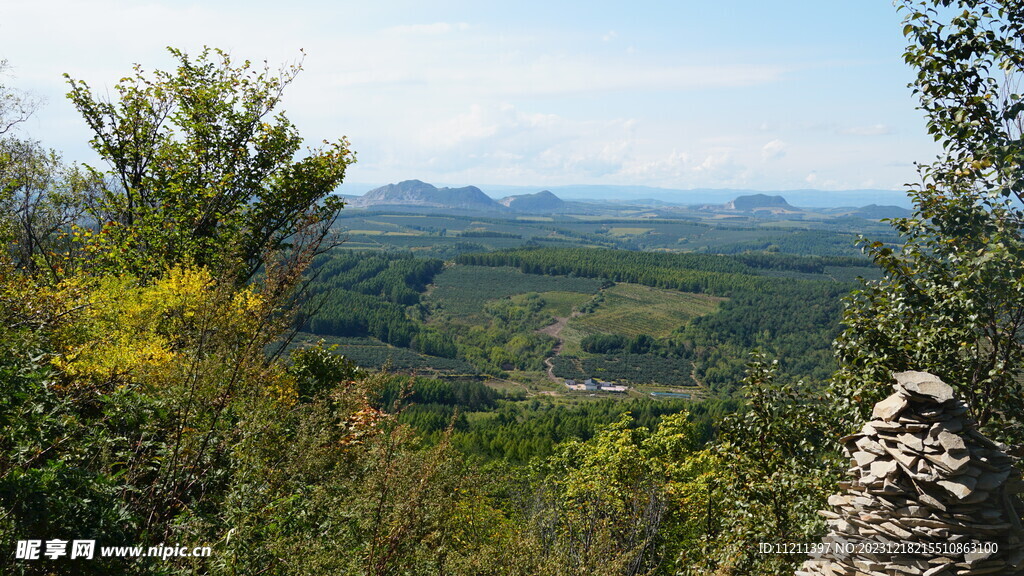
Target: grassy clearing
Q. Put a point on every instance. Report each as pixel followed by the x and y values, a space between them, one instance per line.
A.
pixel 562 303
pixel 623 231
pixel 571 336
pixel 632 309
pixel 462 291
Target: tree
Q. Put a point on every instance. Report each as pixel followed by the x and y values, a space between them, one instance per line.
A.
pixel 952 297
pixel 773 469
pixel 203 171
pixel 15 106
pixel 40 196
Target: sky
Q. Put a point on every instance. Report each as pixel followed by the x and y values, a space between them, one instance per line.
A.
pixel 687 94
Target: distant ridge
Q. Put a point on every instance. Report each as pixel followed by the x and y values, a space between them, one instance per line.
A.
pixel 416 194
pixel 758 201
pixel 807 198
pixel 544 201
pixel 876 212
pixel 419 194
pixel 422 194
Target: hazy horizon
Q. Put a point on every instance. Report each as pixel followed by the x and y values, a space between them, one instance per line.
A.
pixel 756 96
pixel 804 197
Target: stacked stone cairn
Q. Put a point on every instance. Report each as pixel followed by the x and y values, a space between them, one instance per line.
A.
pixel 924 481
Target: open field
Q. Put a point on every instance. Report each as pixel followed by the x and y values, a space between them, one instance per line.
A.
pixel 561 304
pixel 632 309
pixel 461 291
pixel 679 231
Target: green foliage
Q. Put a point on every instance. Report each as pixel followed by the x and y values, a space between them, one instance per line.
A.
pixel 775 468
pixel 604 506
pixel 633 309
pixel 518 432
pixel 367 294
pixel 202 170
pixel 603 343
pixel 320 369
pixel 952 297
pixel 40 198
pixel 639 368
pixel 795 320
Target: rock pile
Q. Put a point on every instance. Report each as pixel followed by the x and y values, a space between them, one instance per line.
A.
pixel 930 495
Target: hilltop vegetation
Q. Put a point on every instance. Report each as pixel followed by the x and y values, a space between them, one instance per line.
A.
pixel 151 392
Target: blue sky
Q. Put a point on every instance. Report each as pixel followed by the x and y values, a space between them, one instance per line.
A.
pixel 733 94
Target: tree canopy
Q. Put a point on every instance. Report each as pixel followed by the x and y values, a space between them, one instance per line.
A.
pixel 952 298
pixel 203 169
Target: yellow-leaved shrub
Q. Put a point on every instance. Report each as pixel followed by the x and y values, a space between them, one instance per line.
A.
pixel 129 331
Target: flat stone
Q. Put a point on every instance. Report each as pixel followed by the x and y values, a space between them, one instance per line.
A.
pixel 923 384
pixel 908 461
pixel 929 500
pixel 864 458
pixel 838 500
pixel 992 480
pixel 983 440
pixel 961 487
pixel 940 570
pixel 883 468
pixel 952 426
pixel 913 441
pixel 953 463
pixel 976 497
pixel 951 442
pixel 895 530
pixel 925 471
pixel 923 523
pixel 890 408
pixel 869 445
pixel 881 427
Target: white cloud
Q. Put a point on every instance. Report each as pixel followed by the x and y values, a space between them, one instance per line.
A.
pixel 773 150
pixel 503 139
pixel 871 130
pixel 421 93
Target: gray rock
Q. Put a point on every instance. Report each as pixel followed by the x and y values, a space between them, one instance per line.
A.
pixel 951 442
pixel 890 408
pixel 924 385
pixel 921 472
pixel 961 487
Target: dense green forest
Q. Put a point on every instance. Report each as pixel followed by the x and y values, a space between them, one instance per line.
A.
pixel 367 294
pixel 793 319
pixel 162 380
pixel 478 312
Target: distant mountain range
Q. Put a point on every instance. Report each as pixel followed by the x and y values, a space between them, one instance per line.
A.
pixel 419 195
pixel 416 193
pixel 649 195
pixel 760 203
